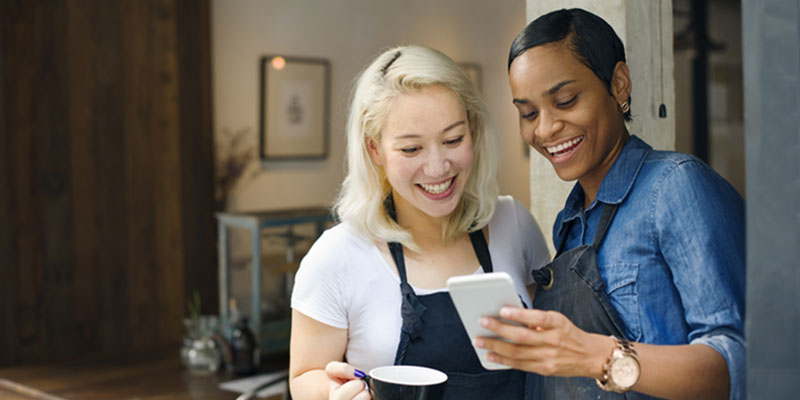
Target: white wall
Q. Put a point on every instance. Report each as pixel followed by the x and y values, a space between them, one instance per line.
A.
pixel 349 33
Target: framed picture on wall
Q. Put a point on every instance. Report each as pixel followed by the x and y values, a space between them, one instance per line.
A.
pixel 473 70
pixel 294 108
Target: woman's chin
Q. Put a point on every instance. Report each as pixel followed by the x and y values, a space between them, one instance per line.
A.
pixel 566 174
pixel 440 209
pixel 439 212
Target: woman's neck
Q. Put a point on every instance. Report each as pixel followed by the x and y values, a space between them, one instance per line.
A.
pixel 591 182
pixel 426 230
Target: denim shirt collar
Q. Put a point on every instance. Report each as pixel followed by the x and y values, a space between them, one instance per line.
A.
pixel 617 183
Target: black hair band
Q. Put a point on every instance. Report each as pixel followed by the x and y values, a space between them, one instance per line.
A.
pixel 389 64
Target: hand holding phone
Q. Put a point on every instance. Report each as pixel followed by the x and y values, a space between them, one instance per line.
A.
pixel 482 295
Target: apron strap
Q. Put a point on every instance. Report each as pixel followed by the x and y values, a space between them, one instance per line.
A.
pixel 609 210
pixel 411 308
pixel 399 260
pixel 481 250
pixel 563 242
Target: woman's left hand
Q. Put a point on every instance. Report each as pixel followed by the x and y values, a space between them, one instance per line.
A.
pixel 548 344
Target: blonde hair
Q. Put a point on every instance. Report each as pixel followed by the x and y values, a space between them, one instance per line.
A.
pixel 361 198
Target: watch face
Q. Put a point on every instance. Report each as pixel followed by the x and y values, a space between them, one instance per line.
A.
pixel 625 372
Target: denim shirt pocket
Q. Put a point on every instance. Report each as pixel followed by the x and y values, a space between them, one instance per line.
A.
pixel 622 291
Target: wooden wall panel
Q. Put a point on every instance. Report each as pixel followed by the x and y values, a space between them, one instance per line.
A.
pixel 5 237
pixel 51 173
pixel 108 124
pixel 106 170
pixel 167 185
pixel 88 304
pixel 7 257
pixel 139 133
pixel 194 43
pixel 25 283
pixel 7 295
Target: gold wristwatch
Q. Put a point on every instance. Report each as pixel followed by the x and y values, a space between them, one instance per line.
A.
pixel 621 370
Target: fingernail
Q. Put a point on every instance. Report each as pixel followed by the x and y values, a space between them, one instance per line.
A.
pixel 359 373
pixel 478 342
pixel 505 312
pixel 491 357
pixel 484 322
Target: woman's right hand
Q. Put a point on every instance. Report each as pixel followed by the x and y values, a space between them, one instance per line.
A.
pixel 344 384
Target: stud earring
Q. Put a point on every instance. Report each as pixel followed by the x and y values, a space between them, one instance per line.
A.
pixel 624 107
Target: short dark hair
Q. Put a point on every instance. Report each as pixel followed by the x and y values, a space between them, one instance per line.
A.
pixel 591 39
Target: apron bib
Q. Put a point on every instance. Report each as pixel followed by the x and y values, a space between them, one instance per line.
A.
pixel 432 335
pixel 572 285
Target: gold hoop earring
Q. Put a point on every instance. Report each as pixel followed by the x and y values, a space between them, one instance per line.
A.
pixel 624 107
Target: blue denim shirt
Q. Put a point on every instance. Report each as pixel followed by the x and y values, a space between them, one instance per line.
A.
pixel 673 259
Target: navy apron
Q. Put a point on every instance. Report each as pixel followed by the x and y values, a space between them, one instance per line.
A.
pixel 572 285
pixel 432 335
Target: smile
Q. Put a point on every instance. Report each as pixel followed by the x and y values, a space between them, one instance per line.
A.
pixel 438 188
pixel 564 148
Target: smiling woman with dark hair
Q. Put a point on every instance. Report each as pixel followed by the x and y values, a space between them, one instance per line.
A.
pixel 646 294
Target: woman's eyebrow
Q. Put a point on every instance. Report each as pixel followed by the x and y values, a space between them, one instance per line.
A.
pixel 557 87
pixel 548 92
pixel 453 125
pixel 415 135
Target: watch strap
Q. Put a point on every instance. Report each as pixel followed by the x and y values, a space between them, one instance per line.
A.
pixel 622 349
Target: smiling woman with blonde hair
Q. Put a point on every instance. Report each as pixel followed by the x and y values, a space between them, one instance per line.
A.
pixel 418 205
pixel 365 187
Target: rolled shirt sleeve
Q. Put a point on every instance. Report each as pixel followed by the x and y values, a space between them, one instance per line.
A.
pixel 700 224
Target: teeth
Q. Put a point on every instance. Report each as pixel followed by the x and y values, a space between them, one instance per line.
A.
pixel 437 189
pixel 553 150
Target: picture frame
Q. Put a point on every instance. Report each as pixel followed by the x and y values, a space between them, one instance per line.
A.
pixel 473 70
pixel 294 108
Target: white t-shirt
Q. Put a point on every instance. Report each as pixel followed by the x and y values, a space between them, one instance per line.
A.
pixel 345 282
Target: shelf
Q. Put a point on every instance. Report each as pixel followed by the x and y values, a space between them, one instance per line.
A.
pixel 274 334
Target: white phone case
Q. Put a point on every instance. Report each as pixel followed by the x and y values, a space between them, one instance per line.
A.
pixel 481 295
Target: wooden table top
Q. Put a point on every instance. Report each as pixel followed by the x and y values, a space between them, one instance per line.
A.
pixel 149 375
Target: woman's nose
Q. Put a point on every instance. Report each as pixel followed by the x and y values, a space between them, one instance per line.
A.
pixel 436 164
pixel 548 125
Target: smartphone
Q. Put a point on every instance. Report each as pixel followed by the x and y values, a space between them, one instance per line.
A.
pixel 480 295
